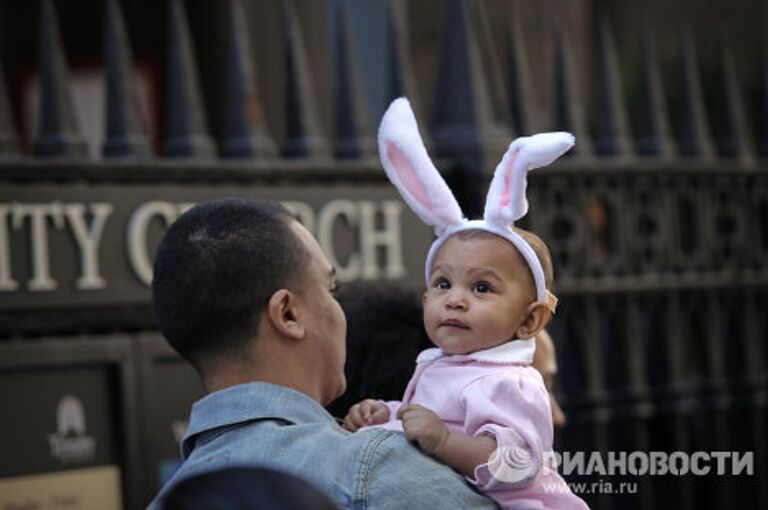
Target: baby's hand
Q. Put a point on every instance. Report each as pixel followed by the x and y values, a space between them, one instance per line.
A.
pixel 367 412
pixel 423 426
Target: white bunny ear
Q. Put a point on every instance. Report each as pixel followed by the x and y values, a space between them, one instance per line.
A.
pixel 408 166
pixel 506 201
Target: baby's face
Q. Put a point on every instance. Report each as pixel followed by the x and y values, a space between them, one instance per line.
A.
pixel 479 294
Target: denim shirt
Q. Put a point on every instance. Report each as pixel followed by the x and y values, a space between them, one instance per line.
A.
pixel 266 425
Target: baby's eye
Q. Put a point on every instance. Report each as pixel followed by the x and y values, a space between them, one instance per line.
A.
pixel 442 283
pixel 482 287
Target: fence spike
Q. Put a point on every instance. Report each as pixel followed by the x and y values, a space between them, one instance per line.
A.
pixel 245 132
pixel 353 128
pixel 653 133
pixel 465 126
pixel 186 131
pixel 568 113
pixel 735 139
pixel 524 113
pixel 494 79
pixel 9 139
pixel 762 105
pixel 125 135
pixel 612 136
pixel 303 137
pixel 401 79
pixel 695 139
pixel 57 131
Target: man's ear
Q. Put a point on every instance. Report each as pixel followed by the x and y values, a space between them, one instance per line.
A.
pixel 283 314
pixel 538 317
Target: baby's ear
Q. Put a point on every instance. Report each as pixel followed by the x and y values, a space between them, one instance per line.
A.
pixel 537 319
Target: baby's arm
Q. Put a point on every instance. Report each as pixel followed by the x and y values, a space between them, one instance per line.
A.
pixel 463 453
pixel 365 413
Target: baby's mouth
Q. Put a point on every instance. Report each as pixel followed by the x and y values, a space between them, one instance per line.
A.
pixel 454 323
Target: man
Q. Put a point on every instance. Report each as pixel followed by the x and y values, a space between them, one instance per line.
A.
pixel 244 292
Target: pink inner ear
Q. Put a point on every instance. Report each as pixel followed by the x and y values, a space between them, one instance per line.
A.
pixel 407 175
pixel 504 199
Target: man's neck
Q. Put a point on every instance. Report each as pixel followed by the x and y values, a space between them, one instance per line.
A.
pixel 226 374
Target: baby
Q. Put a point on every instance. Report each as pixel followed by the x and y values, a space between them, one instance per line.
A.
pixel 475 402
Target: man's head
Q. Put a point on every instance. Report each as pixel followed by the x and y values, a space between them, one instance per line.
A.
pixel 231 271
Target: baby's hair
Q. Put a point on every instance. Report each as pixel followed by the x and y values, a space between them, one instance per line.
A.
pixel 535 242
pixel 542 253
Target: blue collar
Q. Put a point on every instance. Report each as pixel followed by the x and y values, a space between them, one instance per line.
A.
pixel 248 402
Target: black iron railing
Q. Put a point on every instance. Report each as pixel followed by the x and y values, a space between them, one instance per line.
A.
pixel 658 224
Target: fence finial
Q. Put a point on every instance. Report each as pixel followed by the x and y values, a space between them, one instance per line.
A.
pixel 186 129
pixel 612 136
pixel 465 124
pixel 124 132
pixel 353 128
pixel 735 137
pixel 695 137
pixel 568 113
pixel 303 135
pixel 523 107
pixel 245 132
pixel 57 131
pixel 401 81
pixel 9 139
pixel 653 133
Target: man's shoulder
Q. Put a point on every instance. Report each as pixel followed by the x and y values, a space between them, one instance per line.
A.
pixel 377 466
pixel 398 475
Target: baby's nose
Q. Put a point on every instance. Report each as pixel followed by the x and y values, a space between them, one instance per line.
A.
pixel 456 300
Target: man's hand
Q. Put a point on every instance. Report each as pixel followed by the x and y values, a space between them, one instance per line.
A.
pixel 424 427
pixel 365 413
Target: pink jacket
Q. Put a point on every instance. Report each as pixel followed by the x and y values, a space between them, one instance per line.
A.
pixel 496 392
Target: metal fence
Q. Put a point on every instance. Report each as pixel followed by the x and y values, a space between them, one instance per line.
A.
pixel 658 221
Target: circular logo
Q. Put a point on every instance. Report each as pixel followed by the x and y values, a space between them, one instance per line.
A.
pixel 513 464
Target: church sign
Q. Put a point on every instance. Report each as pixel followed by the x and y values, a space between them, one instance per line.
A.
pixel 84 245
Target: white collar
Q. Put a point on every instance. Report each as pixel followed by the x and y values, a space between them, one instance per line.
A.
pixel 516 351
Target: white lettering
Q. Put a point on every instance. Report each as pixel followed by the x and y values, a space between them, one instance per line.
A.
pixel 303 213
pixel 659 463
pixel 72 449
pixel 617 463
pixel 184 207
pixel 746 462
pixel 389 238
pixel 138 251
pixel 328 215
pixel 88 241
pixel 38 213
pixel 638 463
pixel 678 463
pixel 595 464
pixel 720 456
pixel 573 463
pixel 696 469
pixel 552 459
pixel 6 280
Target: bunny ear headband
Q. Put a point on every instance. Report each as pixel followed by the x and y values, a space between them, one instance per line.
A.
pixel 410 169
